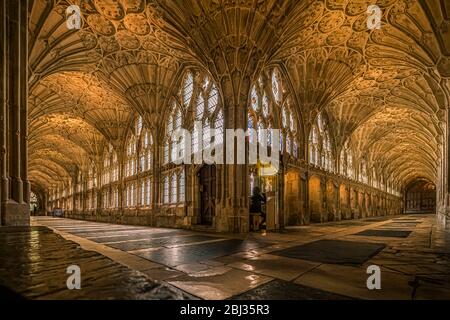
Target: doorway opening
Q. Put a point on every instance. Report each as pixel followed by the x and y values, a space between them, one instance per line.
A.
pixel 266 179
pixel 420 197
pixel 207 178
pixel 34 204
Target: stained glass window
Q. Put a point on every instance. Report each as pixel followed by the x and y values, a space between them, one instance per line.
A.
pixel 320 148
pixel 276 87
pixel 142 193
pixel 265 105
pixel 288 128
pixel 188 89
pixel 148 192
pixel 174 189
pixel 130 165
pixel 181 184
pixel 166 190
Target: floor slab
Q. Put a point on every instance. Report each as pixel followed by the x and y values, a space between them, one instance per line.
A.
pixel 275 266
pixel 352 282
pixel 334 251
pixel 190 254
pixel 222 285
pixel 284 290
pixel 384 233
pixel 320 261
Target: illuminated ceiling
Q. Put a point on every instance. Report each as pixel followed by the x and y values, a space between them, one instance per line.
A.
pixel 385 91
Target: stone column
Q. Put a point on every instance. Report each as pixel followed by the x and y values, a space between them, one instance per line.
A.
pixel 281 193
pixel 443 183
pixel 74 195
pixel 4 183
pixel 23 35
pixel 307 198
pixel 304 197
pixel 156 180
pixel 235 213
pixel 15 187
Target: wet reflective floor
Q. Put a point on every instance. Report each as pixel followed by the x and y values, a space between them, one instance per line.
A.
pixel 34 262
pixel 326 261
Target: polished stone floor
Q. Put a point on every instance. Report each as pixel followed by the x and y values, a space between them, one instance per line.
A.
pixel 326 261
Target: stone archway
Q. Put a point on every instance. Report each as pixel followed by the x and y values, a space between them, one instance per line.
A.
pixel 332 201
pixel 420 197
pixel 344 202
pixel 293 208
pixel 315 199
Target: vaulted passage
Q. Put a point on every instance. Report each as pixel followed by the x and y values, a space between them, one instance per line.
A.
pixel 120 111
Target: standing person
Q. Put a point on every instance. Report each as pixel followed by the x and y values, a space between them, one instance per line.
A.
pixel 257 201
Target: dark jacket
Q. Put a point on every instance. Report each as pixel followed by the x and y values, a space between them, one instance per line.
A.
pixel 256 203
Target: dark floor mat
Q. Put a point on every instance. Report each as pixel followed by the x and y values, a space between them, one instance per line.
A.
pixel 334 251
pixel 198 252
pixel 283 290
pixel 384 233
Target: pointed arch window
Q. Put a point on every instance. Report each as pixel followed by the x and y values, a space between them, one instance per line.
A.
pixel 254 100
pixel 148 192
pixel 268 97
pixel 188 88
pixel 276 86
pixel 166 190
pixel 173 188
pixel 142 194
pixel 181 187
pixel 289 142
pixel 375 181
pixel 114 167
pixel 208 117
pixel 110 165
pixel 138 148
pixel 320 147
pixel 106 176
pixel 350 169
pixel 145 152
pixel 130 195
pixel 92 177
pixel 106 199
pixel 363 172
pixel 328 155
pixel 346 161
pixel 139 124
pixel 265 105
pixel 313 147
pixel 115 201
pixel 343 163
pixel 260 120
pixel 130 162
pixel 174 123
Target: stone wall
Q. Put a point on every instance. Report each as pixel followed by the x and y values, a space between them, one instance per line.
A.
pixel 307 195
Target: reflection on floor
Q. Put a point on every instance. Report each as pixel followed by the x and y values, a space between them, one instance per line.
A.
pixel 326 261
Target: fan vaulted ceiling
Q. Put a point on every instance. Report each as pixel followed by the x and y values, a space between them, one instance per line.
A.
pixel 384 91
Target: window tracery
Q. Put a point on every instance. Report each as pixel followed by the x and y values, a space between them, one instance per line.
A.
pixel 320 146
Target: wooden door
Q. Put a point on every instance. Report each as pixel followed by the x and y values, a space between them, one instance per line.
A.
pixel 207 194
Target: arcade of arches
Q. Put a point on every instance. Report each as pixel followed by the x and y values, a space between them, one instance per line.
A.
pixel 87 115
